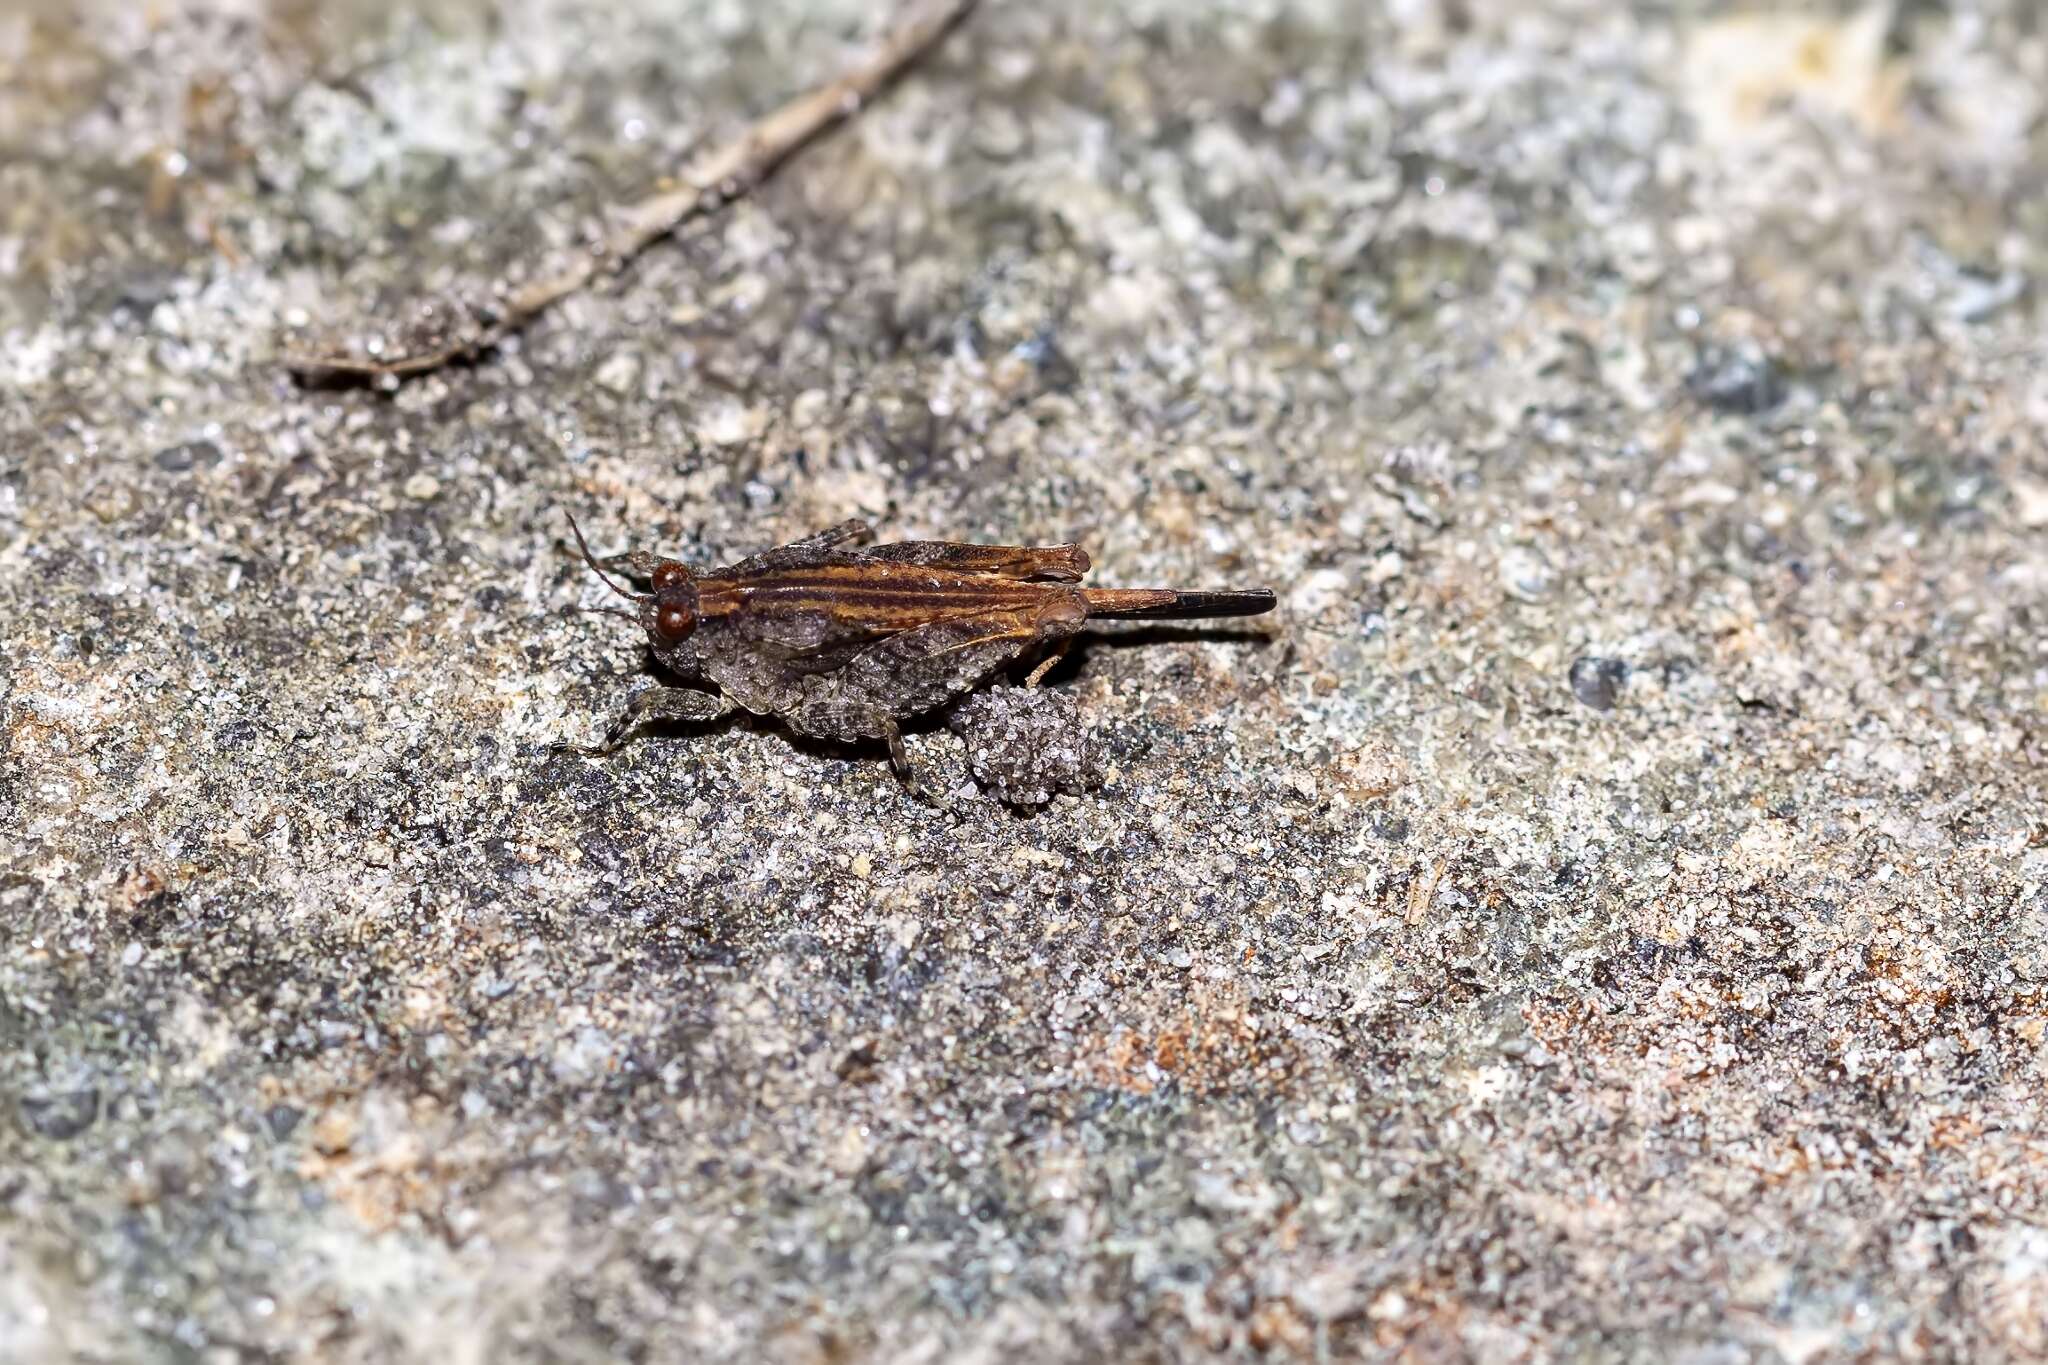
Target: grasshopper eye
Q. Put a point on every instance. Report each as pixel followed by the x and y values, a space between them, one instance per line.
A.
pixel 669 574
pixel 673 621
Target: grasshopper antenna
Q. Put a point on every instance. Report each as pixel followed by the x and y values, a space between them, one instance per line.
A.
pixel 591 560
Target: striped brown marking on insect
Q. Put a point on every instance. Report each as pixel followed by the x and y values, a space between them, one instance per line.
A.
pixel 873 573
pixel 879 596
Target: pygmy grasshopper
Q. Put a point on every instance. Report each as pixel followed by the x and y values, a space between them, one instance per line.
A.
pixel 841 642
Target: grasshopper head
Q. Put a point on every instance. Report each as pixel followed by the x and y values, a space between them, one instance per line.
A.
pixel 668 614
pixel 670 611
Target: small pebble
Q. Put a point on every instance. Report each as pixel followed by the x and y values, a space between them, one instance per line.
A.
pixel 1597 682
pixel 61 1116
pixel 1738 379
pixel 180 458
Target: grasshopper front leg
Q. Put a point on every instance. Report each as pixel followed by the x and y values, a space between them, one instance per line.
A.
pixel 637 563
pixel 656 703
pixel 847 721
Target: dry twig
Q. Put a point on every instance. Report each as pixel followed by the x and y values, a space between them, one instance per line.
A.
pixel 712 181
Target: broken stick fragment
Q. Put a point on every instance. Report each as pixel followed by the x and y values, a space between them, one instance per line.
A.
pixel 452 329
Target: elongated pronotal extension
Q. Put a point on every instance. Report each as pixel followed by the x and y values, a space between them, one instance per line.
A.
pixel 1168 604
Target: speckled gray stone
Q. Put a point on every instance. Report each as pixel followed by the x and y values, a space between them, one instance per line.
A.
pixel 1387 1000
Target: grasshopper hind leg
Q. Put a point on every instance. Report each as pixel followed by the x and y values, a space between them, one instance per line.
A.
pixel 930 665
pixel 852 530
pixel 919 669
